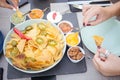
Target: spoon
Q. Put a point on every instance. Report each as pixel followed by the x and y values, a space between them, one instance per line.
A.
pixel 27 13
pixel 30 11
pixel 45 9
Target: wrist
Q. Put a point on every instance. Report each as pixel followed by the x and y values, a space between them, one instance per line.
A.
pixel 109 11
pixel 115 9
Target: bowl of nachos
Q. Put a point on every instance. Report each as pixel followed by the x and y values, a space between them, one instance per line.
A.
pixel 34 46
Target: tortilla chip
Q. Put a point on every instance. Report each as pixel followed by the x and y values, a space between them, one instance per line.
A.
pixel 21 45
pixel 98 40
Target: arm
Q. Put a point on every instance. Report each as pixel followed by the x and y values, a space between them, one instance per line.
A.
pixel 115 9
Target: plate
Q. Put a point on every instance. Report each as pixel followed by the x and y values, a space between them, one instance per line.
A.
pixel 109 29
pixel 21 27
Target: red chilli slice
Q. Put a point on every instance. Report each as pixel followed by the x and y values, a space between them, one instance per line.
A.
pixel 20 34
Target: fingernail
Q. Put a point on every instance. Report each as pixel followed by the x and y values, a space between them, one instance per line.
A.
pixel 17 7
pixel 103 59
pixel 83 23
pixel 88 24
pixel 14 9
pixel 98 47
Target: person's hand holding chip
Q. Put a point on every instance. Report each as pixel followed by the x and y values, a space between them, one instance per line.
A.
pixel 109 67
pixel 4 4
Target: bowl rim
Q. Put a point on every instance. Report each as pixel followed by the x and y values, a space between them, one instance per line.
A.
pixel 18 23
pixel 76 61
pixel 34 71
pixel 79 39
pixel 36 9
pixel 66 21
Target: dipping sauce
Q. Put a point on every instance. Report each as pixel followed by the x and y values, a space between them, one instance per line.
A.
pixel 15 19
pixel 65 26
pixel 72 39
pixel 54 17
pixel 36 14
pixel 75 53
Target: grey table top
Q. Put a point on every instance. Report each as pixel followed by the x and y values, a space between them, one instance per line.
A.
pixel 91 74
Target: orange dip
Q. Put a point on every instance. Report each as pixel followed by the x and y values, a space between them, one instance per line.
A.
pixel 36 13
pixel 65 27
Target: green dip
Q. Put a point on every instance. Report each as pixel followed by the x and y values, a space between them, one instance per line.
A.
pixel 16 20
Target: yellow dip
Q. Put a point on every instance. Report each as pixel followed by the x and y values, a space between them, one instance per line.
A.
pixel 72 39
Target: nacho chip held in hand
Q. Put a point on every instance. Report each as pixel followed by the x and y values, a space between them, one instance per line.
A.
pixel 98 40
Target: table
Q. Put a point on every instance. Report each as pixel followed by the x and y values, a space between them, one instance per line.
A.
pixel 91 73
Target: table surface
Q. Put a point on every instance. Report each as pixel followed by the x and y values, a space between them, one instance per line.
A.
pixel 91 74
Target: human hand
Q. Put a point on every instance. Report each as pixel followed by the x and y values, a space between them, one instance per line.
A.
pixel 90 11
pixel 4 4
pixel 108 67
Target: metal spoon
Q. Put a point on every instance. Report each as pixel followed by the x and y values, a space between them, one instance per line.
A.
pixel 45 9
pixel 26 13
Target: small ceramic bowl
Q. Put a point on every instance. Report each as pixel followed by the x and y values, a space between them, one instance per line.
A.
pixel 72 39
pixel 65 26
pixel 54 16
pixel 36 14
pixel 14 19
pixel 75 54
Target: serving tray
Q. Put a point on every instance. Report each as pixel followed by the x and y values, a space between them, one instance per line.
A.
pixel 64 67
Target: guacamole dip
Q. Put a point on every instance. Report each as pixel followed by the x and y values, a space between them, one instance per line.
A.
pixel 16 20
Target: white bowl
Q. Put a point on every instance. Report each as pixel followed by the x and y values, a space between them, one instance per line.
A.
pixel 22 26
pixel 57 19
pixel 15 23
pixel 36 18
pixel 76 61
pixel 69 23
pixel 79 40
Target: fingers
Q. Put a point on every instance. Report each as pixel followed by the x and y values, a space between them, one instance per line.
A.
pixel 8 6
pixel 96 65
pixel 5 5
pixel 15 3
pixel 101 50
pixel 98 60
pixel 97 56
pixel 85 8
pixel 96 21
pixel 89 16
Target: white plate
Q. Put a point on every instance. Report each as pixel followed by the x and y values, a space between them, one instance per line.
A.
pixel 109 29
